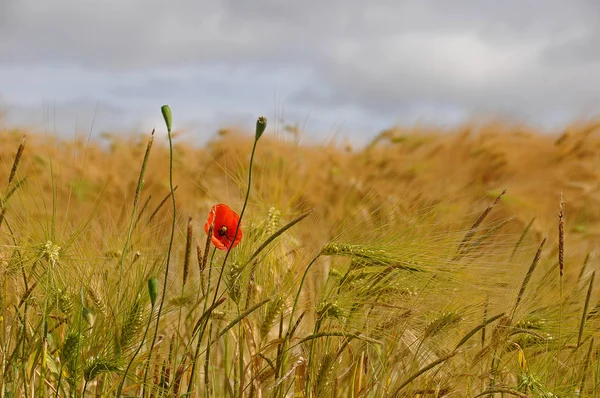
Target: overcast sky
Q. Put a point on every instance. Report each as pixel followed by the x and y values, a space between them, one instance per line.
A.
pixel 348 67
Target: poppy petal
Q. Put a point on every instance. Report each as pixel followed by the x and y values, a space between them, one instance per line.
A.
pixel 222 216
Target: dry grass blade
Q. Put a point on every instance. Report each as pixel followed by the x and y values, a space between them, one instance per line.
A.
pixel 277 233
pixel 534 263
pixel 469 247
pixel 508 391
pixel 357 336
pixel 206 314
pixel 239 318
pixel 585 309
pixel 161 204
pixel 486 305
pixel 27 294
pixel 584 265
pixel 471 232
pixel 142 211
pixel 300 379
pixel 14 188
pixel 292 331
pixel 586 365
pixel 358 375
pixel 476 329
pixel 422 371
pixel 521 238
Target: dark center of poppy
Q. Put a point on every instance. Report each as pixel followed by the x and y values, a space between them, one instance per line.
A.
pixel 222 231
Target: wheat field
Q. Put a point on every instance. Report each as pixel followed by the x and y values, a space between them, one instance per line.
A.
pixel 433 262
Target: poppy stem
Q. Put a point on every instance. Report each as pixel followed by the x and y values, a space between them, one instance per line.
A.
pixel 166 111
pixel 260 126
pixel 237 228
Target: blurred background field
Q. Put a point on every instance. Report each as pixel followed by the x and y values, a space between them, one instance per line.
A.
pixel 403 167
pixel 412 191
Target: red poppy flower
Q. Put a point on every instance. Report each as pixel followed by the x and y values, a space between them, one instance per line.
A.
pixel 225 223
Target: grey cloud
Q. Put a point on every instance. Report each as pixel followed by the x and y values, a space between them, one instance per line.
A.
pixel 388 59
pixel 492 65
pixel 137 34
pixel 582 49
pixel 149 33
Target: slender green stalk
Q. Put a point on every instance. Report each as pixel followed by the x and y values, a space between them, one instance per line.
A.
pixel 261 124
pixel 167 115
pixel 204 319
pixel 220 334
pixel 290 324
pixel 561 268
pixel 260 127
pixel 237 228
pixel 206 366
pixel 310 357
pixel 240 379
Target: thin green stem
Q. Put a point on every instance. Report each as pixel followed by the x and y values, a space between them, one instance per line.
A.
pixel 204 319
pixel 237 228
pixel 310 357
pixel 241 337
pixel 166 280
pixel 291 322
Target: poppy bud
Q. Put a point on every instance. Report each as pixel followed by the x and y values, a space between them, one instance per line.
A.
pixel 166 112
pixel 153 290
pixel 261 125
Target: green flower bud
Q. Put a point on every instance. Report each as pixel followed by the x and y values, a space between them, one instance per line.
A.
pixel 166 112
pixel 153 290
pixel 261 125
